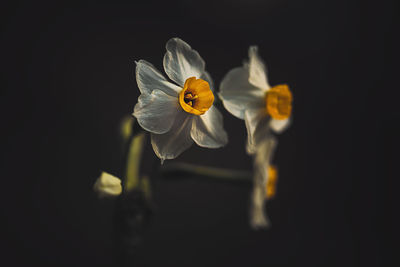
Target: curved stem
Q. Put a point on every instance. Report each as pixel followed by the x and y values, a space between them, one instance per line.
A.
pixel 134 139
pixel 133 161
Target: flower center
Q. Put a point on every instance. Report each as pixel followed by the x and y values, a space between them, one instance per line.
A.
pixel 279 102
pixel 270 188
pixel 196 96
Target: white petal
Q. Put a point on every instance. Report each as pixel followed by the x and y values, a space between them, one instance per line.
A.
pixel 107 185
pixel 257 69
pixel 173 143
pixel 279 126
pixel 238 94
pixel 182 62
pixel 156 112
pixel 149 78
pixel 207 77
pixel 257 126
pixel 208 131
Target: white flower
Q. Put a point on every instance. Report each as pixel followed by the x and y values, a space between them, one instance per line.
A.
pixel 246 94
pixel 107 185
pixel 264 181
pixel 178 113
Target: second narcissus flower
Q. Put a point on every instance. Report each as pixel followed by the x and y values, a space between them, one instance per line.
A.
pixel 181 112
pixel 246 94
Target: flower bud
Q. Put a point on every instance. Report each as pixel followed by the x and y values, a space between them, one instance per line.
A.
pixel 107 185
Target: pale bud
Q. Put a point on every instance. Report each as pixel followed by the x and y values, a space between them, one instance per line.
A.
pixel 107 185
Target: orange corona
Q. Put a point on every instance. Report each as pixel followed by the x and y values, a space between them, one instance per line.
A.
pixel 278 102
pixel 196 96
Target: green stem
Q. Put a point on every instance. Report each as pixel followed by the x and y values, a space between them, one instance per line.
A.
pixel 133 161
pixel 179 168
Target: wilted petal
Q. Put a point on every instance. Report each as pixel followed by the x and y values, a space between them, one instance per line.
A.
pixel 279 126
pixel 263 156
pixel 257 69
pixel 257 126
pixel 107 185
pixel 171 144
pixel 149 78
pixel 182 62
pixel 258 217
pixel 262 159
pixel 238 94
pixel 207 129
pixel 156 112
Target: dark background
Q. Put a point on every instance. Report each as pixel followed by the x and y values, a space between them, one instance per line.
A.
pixel 67 74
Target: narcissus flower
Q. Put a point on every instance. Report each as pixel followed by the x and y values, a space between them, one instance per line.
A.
pixel 181 112
pixel 246 94
pixel 264 182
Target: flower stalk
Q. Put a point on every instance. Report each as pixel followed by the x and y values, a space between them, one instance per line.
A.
pixel 133 160
pixel 221 174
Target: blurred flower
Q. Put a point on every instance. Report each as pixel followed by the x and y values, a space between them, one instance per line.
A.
pixel 264 180
pixel 107 185
pixel 176 114
pixel 246 94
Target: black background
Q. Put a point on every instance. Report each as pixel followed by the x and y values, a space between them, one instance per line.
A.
pixel 67 74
